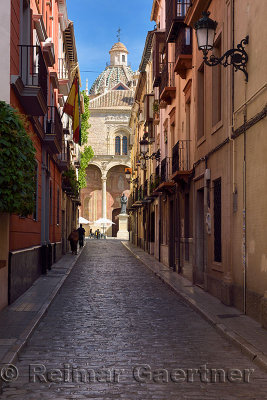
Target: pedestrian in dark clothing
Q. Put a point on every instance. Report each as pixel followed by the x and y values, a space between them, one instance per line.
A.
pixel 73 238
pixel 81 232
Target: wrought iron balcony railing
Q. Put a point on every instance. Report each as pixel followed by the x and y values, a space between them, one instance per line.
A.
pixel 33 70
pixel 63 72
pixel 166 169
pixel 140 193
pixel 145 188
pixel 175 14
pixel 167 76
pixel 154 182
pixel 53 129
pixel 31 83
pixel 183 44
pixel 157 56
pixel 181 156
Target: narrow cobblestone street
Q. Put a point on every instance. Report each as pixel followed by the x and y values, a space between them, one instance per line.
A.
pixel 113 313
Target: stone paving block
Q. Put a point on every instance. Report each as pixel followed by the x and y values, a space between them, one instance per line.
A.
pixel 113 313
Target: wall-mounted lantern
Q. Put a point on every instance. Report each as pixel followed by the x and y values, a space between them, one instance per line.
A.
pixel 205 29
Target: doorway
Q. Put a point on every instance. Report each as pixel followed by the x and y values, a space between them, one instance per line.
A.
pixel 199 261
pixel 171 236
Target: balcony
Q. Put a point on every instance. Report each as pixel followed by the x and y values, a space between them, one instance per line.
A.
pixel 146 188
pixel 167 87
pixel 183 52
pixel 64 156
pixel 175 14
pixel 63 77
pixel 165 175
pixel 31 84
pixel 154 182
pixel 53 130
pixel 181 161
pixel 49 53
pixel 158 45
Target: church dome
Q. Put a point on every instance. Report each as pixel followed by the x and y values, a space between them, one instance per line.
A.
pixel 110 77
pixel 118 71
pixel 119 47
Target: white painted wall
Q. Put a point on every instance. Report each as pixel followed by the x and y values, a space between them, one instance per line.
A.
pixel 5 21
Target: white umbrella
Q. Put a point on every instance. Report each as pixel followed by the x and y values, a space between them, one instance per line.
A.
pixel 104 222
pixel 84 221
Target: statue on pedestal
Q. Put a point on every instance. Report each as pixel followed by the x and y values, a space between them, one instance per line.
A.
pixel 123 203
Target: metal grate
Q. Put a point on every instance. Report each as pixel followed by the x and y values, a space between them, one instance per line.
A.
pixel 217 221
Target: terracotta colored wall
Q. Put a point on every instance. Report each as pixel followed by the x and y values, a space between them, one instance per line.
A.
pixel 26 232
pixel 14 50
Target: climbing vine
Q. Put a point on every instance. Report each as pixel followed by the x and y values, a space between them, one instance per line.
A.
pixel 86 157
pixel 87 154
pixel 17 163
pixel 85 119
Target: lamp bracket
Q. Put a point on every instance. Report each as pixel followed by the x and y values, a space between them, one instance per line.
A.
pixel 237 57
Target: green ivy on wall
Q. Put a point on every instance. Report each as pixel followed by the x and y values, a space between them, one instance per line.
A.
pixel 85 119
pixel 87 154
pixel 70 183
pixel 86 157
pixel 17 163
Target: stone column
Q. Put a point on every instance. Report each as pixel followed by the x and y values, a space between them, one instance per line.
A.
pixel 104 196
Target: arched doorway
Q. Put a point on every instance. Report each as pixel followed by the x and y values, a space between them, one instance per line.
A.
pixel 116 185
pixel 91 196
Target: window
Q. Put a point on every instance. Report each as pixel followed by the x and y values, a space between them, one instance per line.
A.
pixel 217 85
pixel 217 220
pixel 117 146
pixel 187 36
pixel 123 58
pixel 120 87
pixel 200 102
pixel 124 145
pixel 182 7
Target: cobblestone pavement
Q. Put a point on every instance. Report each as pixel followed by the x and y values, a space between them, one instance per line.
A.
pixel 115 331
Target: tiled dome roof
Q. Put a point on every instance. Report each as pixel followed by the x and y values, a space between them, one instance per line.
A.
pixel 110 77
pixel 119 47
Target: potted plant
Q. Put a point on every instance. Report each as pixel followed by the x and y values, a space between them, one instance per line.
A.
pixel 156 112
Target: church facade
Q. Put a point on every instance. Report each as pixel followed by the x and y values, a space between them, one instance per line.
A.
pixel 111 99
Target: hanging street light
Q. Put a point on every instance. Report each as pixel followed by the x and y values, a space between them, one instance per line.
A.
pixel 143 146
pixel 128 173
pixel 205 29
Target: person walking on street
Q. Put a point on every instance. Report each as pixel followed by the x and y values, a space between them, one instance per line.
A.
pixel 81 232
pixel 73 238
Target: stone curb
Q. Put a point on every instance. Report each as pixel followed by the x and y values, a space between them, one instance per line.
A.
pixel 255 355
pixel 12 355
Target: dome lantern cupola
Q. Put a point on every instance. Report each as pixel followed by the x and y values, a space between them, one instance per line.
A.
pixel 118 54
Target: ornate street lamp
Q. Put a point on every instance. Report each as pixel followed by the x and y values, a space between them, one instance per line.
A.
pixel 205 29
pixel 143 146
pixel 128 174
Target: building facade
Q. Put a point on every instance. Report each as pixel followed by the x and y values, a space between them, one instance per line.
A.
pixel 37 74
pixel 196 204
pixel 111 99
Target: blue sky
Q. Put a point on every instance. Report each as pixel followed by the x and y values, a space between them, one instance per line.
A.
pixel 96 23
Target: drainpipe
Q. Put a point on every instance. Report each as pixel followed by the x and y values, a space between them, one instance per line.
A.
pixel 159 226
pixel 206 211
pixel 244 228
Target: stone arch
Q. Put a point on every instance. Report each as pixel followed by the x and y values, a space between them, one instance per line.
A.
pixel 116 185
pixel 91 195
